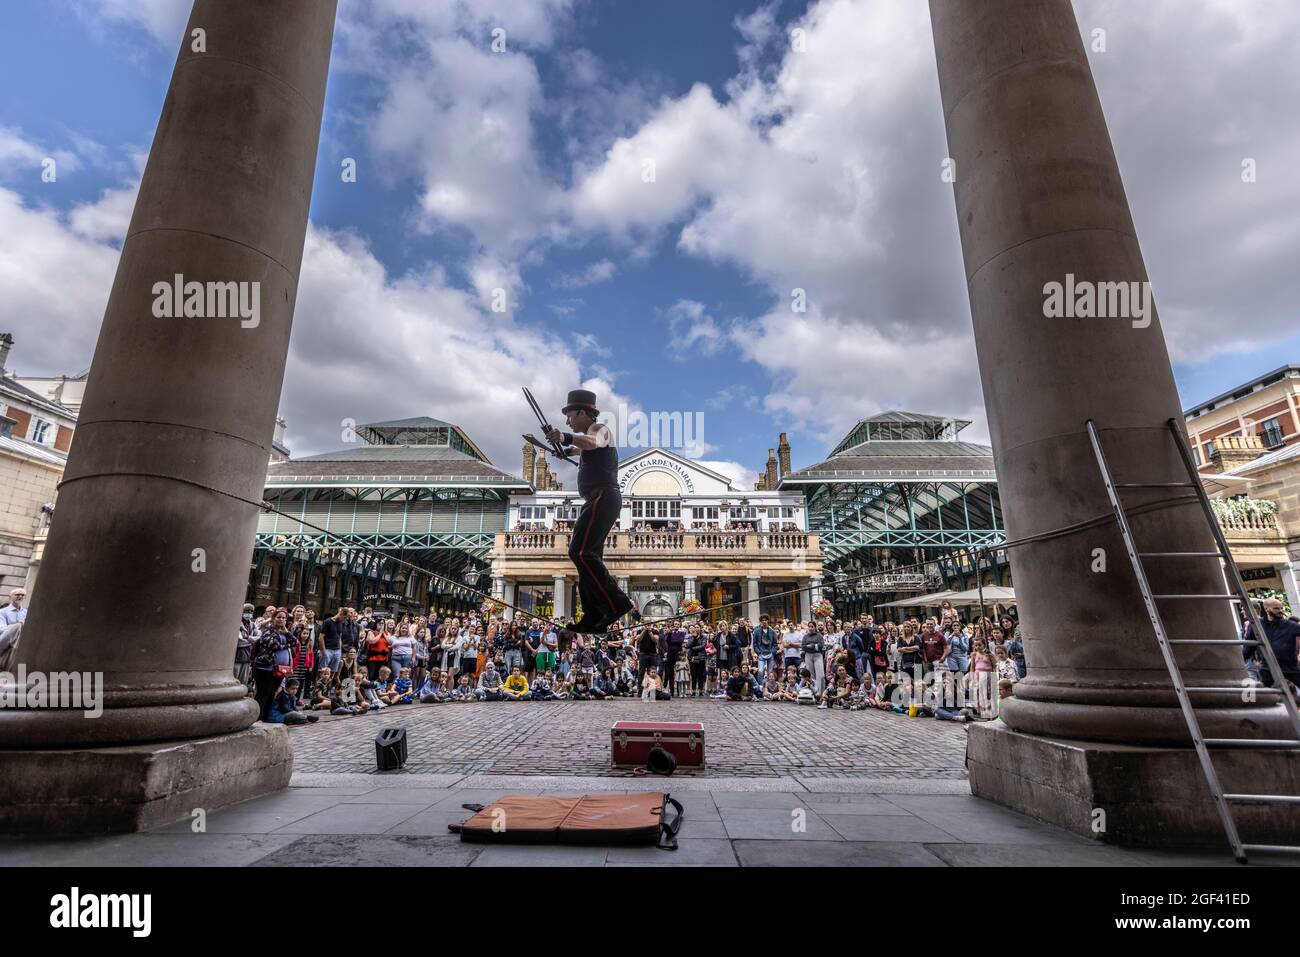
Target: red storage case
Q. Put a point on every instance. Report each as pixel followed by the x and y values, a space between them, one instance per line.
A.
pixel 631 741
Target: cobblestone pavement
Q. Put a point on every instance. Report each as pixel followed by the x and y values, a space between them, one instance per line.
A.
pixel 571 738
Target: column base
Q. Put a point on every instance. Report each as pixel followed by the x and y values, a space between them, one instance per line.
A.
pixel 1150 796
pixel 135 787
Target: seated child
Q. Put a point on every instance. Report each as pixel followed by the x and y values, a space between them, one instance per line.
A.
pixel 463 690
pixel 720 686
pixel 403 690
pixel 541 688
pixel 284 709
pixel 603 687
pixel 581 688
pixel 324 690
pixel 516 686
pixel 431 690
pixel 772 689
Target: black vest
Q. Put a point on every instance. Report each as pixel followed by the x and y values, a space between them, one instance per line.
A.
pixel 598 469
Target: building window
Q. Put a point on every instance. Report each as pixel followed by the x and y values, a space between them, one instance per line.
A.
pixel 651 509
pixel 1271 434
pixel 746 512
pixel 42 432
pixel 705 513
pixel 352 590
pixel 563 514
pixel 1209 450
pixel 532 513
pixel 312 585
pixel 267 570
pixel 291 582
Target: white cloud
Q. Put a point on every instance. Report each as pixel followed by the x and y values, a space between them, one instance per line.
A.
pixel 600 271
pixel 164 20
pixel 692 332
pixel 21 158
pixel 742 478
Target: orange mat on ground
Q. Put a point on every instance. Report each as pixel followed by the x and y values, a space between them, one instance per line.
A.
pixel 592 819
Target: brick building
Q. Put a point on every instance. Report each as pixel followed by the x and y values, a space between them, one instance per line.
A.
pixel 1267 407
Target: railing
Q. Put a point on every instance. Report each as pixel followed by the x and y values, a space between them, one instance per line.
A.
pixel 621 542
pixel 1253 523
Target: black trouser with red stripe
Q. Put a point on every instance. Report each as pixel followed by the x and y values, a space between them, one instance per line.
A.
pixel 597 590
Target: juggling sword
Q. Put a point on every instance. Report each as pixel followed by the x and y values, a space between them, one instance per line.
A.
pixel 551 447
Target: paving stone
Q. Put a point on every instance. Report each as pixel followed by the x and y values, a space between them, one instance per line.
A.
pixel 353 819
pixel 149 849
pixel 872 804
pixel 832 854
pixel 571 739
pixel 520 855
pixel 885 827
pixel 380 850
pixel 775 824
pixel 693 852
pixel 1034 855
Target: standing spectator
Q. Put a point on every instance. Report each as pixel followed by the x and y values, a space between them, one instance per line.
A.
pixel 1016 651
pixel 765 645
pixel 958 656
pixel 697 657
pixel 909 648
pixel 1283 636
pixel 401 650
pixel 814 658
pixel 272 661
pixel 332 634
pixel 791 649
pixel 244 648
pixel 377 648
pixel 671 647
pixel 934 647
pixel 14 613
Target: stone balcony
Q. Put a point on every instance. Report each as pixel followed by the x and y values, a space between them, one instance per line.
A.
pixel 740 552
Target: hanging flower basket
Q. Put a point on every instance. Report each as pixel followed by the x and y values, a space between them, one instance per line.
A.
pixel 823 608
pixel 491 607
pixel 691 606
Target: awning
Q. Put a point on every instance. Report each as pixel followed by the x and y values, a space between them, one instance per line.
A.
pixel 993 595
pixel 920 601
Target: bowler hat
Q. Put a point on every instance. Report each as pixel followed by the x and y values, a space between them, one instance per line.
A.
pixel 581 399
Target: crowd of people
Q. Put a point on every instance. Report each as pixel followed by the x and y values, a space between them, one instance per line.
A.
pixel 356 662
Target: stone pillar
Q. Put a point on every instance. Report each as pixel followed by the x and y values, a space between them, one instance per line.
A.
pixel 508 593
pixel 154 529
pixel 688 587
pixel 1289 573
pixel 559 607
pixel 752 607
pixel 814 590
pixel 1039 199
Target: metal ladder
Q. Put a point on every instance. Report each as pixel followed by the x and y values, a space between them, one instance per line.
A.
pixel 1222 802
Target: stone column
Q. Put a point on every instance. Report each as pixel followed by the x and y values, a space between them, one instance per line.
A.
pixel 1289 573
pixel 1039 200
pixel 559 607
pixel 154 530
pixel 814 590
pixel 752 607
pixel 508 592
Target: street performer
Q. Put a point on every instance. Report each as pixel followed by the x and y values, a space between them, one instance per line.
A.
pixel 603 603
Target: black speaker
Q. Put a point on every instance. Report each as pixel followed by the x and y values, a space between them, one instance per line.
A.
pixel 390 748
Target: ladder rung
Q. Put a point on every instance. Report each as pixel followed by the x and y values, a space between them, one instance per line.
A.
pixel 1206 597
pixel 1155 485
pixel 1275 848
pixel 1263 798
pixel 1250 688
pixel 1180 555
pixel 1280 744
pixel 1212 641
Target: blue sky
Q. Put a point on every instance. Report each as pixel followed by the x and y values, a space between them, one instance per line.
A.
pixel 776 169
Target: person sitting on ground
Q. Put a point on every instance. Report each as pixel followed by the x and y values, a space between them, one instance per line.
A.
pixel 720 688
pixel 516 686
pixel 581 688
pixel 540 689
pixel 461 691
pixel 431 690
pixel 603 687
pixel 489 683
pixel 827 697
pixel 625 679
pixel 772 689
pixel 857 695
pixel 323 690
pixel 740 687
pixel 649 685
pixel 403 689
pixel 284 708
